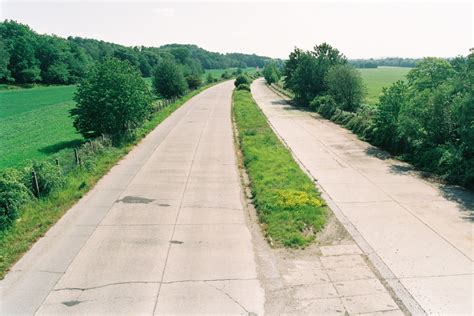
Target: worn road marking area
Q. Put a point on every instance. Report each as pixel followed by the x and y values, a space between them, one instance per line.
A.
pixel 421 231
pixel 163 232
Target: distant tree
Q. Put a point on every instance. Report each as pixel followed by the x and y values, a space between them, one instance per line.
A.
pixel 113 99
pixel 345 84
pixel 168 79
pixel 305 71
pixel 20 42
pixel 242 79
pixel 271 73
pixel 209 78
pixel 225 75
pixel 193 81
pixel 5 75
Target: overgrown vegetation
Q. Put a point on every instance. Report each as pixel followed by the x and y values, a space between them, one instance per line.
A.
pixel 288 204
pixel 58 192
pixel 428 120
pixel 28 57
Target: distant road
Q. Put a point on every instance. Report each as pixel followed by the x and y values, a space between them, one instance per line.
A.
pixel 163 232
pixel 421 231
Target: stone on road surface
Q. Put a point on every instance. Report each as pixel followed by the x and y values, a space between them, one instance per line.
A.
pixel 422 231
pixel 163 232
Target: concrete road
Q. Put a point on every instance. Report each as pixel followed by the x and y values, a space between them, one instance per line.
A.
pixel 421 232
pixel 163 233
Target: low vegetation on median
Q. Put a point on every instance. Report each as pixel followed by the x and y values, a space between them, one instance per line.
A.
pixel 288 204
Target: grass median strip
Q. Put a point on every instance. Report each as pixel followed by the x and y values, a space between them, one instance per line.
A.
pixel 37 216
pixel 288 204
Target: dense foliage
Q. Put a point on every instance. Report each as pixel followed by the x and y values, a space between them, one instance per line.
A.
pixel 113 99
pixel 271 73
pixel 28 57
pixel 427 120
pixel 387 62
pixel 345 84
pixel 169 80
pixel 305 71
pixel 13 193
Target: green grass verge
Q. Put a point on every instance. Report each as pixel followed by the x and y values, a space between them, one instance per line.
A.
pixel 37 216
pixel 288 204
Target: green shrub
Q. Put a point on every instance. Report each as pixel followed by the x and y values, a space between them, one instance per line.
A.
pixel 242 79
pixel 13 193
pixel 244 86
pixel 49 177
pixel 321 100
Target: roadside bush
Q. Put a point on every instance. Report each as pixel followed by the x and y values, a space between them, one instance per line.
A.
pixel 226 75
pixel 169 80
pixel 13 193
pixel 209 78
pixel 244 86
pixel 242 79
pixel 321 100
pixel 193 81
pixel 49 177
pixel 113 99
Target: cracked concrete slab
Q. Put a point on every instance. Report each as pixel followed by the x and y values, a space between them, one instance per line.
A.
pixel 415 231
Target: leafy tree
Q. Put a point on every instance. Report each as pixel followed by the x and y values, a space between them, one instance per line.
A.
pixel 242 79
pixel 5 74
pixel 209 78
pixel 271 73
pixel 305 71
pixel 20 42
pixel 193 81
pixel 225 75
pixel 113 99
pixel 168 79
pixel 386 121
pixel 345 84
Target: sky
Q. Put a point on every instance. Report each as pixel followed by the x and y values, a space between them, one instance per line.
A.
pixel 359 29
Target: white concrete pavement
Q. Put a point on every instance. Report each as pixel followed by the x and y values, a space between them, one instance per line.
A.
pixel 422 232
pixel 162 233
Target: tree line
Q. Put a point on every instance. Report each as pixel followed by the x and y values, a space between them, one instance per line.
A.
pixel 29 57
pixel 428 119
pixel 386 62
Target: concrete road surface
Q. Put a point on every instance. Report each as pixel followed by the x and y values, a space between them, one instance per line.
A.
pixel 164 232
pixel 421 232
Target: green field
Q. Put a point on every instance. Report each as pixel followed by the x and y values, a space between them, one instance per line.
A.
pixel 378 78
pixel 35 123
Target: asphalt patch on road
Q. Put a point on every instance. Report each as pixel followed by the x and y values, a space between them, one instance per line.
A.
pixel 71 303
pixel 135 200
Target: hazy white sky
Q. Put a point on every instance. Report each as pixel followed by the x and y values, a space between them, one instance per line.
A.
pixel 359 29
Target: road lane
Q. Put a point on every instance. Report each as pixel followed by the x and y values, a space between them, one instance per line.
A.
pixel 422 232
pixel 163 232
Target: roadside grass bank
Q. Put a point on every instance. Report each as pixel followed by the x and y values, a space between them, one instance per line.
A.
pixel 288 204
pixel 37 215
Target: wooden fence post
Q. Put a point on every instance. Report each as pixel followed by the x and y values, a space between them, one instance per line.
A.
pixel 35 182
pixel 76 155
